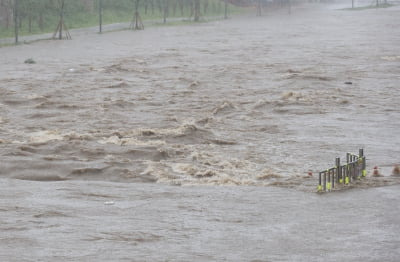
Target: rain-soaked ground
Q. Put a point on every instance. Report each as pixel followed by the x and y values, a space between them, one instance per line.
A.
pixel 193 143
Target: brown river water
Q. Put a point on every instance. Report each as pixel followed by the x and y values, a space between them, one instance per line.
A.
pixel 193 143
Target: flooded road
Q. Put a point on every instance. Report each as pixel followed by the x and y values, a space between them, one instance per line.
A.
pixel 252 103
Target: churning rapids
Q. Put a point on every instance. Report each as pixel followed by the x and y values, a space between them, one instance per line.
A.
pixel 111 121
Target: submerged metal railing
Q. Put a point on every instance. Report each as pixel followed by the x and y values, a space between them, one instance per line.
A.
pixel 354 169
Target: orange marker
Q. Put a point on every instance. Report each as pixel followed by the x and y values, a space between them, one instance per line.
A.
pixel 376 172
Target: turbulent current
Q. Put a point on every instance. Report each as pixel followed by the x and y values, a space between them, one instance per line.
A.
pixel 250 101
pixel 233 102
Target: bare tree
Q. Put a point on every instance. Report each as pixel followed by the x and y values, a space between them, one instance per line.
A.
pixel 174 6
pixel 181 6
pixel 61 25
pixel 100 16
pixel 16 6
pixel 137 23
pixel 165 10
pixel 6 13
pixel 226 9
pixel 196 10
pixel 205 6
pixel 160 6
pixel 146 6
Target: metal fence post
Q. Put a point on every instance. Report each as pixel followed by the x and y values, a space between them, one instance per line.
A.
pixel 363 168
pixel 339 171
pixel 320 182
pixel 328 186
pixel 348 166
pixel 354 169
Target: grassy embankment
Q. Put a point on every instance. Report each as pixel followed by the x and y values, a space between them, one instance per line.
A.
pixel 79 18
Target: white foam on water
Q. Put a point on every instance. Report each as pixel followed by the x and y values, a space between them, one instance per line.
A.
pixel 43 137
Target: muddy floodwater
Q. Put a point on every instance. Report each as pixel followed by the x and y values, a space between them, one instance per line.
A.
pixel 194 142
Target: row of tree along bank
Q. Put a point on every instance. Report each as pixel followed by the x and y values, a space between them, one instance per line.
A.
pixel 26 17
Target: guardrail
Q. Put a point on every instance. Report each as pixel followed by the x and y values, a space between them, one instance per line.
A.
pixel 354 169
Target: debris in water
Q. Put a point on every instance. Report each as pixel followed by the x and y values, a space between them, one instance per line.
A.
pixel 396 171
pixel 267 174
pixel 148 133
pixel 30 61
pixel 194 83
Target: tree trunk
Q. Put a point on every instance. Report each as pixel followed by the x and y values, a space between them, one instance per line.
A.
pixel 137 23
pixel 259 8
pixel 100 16
pixel 174 6
pixel 226 9
pixel 160 6
pixel 166 6
pixel 41 26
pixel 61 20
pixel 181 7
pixel 205 7
pixel 196 10
pixel 7 11
pixel 30 23
pixel 213 6
pixel 16 20
pixel 137 2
